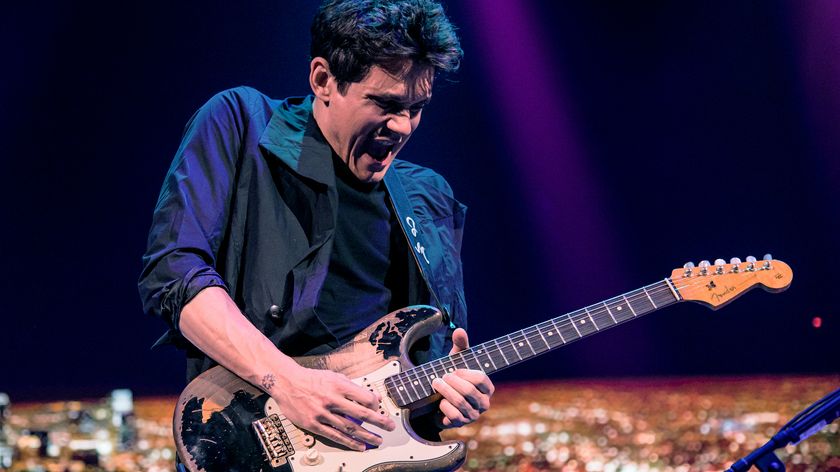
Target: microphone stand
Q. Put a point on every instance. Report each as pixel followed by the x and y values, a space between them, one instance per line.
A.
pixel 807 422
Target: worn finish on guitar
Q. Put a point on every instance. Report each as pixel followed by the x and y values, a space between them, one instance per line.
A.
pixel 223 423
pixel 215 415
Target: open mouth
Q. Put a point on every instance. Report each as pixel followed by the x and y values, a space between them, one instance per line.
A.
pixel 380 150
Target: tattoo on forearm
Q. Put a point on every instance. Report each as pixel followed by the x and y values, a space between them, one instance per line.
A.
pixel 268 381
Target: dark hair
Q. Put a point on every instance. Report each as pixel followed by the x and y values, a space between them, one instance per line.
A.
pixel 353 35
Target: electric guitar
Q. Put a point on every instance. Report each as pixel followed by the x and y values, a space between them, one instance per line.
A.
pixel 223 423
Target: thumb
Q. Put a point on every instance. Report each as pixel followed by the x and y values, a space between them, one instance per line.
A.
pixel 460 341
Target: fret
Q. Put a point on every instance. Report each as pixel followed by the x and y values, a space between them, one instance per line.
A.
pixel 488 357
pixel 591 319
pixel 558 331
pixel 585 326
pixel 500 351
pixel 434 373
pixel 533 352
pixel 620 311
pixel 640 302
pixel 460 359
pixel 510 340
pixel 627 302
pixel 475 359
pixel 600 317
pixel 413 384
pixel 428 374
pixel 454 367
pixel 440 368
pixel 400 389
pixel 610 312
pixel 547 346
pixel 570 331
pixel 392 391
pixel 648 295
pixel 418 380
pixel 574 325
pixel 477 362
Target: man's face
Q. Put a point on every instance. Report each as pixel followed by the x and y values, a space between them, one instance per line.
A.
pixel 370 123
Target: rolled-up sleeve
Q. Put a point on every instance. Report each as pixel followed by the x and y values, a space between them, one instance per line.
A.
pixel 192 211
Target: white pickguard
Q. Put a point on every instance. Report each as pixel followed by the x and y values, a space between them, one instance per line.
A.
pixel 397 446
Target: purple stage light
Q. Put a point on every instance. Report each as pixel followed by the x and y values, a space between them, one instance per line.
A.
pixel 562 196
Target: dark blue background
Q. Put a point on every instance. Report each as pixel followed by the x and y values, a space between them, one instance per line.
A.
pixel 699 123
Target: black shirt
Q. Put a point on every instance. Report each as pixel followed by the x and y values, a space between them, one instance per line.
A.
pixel 367 276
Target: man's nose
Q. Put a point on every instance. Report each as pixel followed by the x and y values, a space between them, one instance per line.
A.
pixel 400 123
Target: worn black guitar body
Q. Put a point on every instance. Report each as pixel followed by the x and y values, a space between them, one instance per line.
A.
pixel 223 423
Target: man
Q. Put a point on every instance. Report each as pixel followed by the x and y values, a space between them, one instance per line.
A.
pixel 285 224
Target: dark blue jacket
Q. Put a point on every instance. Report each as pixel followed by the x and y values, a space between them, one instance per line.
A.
pixel 249 204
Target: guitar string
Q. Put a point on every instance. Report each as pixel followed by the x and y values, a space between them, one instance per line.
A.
pixel 527 334
pixel 570 319
pixel 656 289
pixel 531 333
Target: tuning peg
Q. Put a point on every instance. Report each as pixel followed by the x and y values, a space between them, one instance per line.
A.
pixel 734 260
pixel 767 257
pixel 688 265
pixel 750 258
pixel 704 264
pixel 719 262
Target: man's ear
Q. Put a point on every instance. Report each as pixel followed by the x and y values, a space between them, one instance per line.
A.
pixel 321 80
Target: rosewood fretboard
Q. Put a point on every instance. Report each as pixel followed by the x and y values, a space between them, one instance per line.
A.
pixel 414 384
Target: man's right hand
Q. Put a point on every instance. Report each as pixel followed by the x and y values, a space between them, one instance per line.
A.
pixel 326 403
pixel 320 401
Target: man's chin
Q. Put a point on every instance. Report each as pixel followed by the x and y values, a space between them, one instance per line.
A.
pixel 375 171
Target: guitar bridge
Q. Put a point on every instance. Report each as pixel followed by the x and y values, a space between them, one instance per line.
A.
pixel 274 440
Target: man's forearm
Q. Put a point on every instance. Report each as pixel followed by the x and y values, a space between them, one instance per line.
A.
pixel 212 322
pixel 317 400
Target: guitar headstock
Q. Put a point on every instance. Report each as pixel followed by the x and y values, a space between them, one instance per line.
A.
pixel 717 284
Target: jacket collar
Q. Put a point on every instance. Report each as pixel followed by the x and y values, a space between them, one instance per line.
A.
pixel 293 137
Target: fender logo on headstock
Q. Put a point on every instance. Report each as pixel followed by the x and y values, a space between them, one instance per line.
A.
pixel 718 296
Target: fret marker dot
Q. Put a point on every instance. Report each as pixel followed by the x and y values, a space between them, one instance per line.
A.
pixel 401 388
pixel 550 333
pixel 451 369
pixel 582 321
pixel 619 308
pixel 486 364
pixel 521 344
pixel 416 383
pixel 432 376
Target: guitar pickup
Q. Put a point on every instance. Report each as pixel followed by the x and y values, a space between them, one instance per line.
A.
pixel 274 440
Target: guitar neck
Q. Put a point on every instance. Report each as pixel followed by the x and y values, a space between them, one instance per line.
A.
pixel 414 384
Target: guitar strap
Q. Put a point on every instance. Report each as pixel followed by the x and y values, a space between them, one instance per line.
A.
pixel 415 238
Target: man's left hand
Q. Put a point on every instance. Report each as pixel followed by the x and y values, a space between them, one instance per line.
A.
pixel 466 392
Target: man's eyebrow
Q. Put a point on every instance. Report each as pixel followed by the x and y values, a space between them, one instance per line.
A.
pixel 398 99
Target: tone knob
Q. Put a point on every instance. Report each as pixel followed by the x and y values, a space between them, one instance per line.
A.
pixel 311 457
